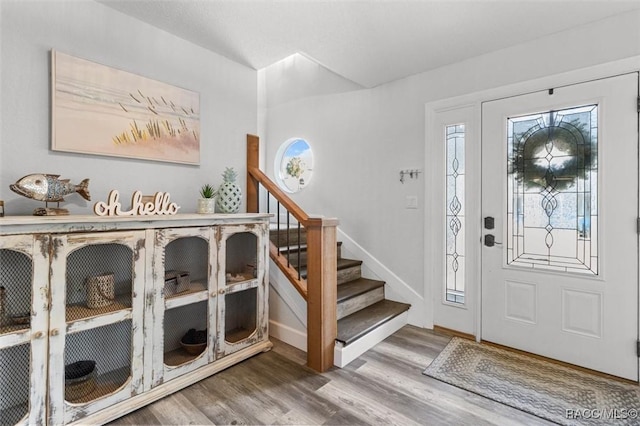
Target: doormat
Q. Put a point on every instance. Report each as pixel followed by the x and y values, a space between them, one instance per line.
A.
pixel 551 391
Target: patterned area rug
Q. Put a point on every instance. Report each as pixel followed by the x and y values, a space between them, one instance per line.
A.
pixel 553 392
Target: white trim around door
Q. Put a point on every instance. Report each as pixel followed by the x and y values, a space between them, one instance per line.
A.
pixel 471 103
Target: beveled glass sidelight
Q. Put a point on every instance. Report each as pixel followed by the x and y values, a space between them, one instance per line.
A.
pixel 455 214
pixel 552 190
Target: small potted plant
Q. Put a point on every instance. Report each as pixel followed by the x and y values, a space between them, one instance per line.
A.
pixel 207 202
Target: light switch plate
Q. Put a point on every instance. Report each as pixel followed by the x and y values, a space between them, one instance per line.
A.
pixel 411 202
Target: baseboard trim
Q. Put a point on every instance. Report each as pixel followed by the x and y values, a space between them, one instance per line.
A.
pixel 450 332
pixel 343 355
pixel 289 335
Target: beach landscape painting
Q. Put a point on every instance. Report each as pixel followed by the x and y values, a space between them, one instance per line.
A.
pixel 101 110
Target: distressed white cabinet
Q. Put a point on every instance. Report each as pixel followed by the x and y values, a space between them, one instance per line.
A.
pixel 48 317
pixel 111 336
pixel 24 326
pixel 172 315
pixel 243 311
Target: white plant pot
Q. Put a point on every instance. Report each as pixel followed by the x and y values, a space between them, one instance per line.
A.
pixel 206 205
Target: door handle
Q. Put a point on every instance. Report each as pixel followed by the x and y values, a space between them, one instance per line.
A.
pixel 490 241
pixel 489 222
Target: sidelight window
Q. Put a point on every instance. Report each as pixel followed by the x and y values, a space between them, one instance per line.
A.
pixel 455 214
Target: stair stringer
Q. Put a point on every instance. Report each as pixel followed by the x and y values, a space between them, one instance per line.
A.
pixel 281 324
pixel 395 288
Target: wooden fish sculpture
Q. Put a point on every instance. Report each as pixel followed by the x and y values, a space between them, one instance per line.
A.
pixel 48 188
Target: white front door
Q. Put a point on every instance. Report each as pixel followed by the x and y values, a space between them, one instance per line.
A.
pixel 560 260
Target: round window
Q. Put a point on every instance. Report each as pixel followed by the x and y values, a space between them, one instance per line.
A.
pixel 294 165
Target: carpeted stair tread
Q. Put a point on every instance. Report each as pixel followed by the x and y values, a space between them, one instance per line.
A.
pixel 357 287
pixel 352 327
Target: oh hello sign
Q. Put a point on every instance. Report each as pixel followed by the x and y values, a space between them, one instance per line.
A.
pixel 113 207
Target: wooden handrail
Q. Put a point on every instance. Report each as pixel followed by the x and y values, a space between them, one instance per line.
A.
pixel 319 289
pixel 257 177
pixel 282 197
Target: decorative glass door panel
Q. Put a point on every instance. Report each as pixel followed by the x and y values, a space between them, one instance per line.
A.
pixel 552 201
pixel 455 214
pixel 453 146
pixel 560 184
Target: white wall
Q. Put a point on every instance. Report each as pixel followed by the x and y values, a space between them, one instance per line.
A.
pixel 363 138
pixel 90 30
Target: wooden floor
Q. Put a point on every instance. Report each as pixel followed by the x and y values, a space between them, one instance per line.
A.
pixel 384 386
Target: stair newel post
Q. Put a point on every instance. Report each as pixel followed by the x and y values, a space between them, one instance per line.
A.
pixel 321 285
pixel 322 289
pixel 253 162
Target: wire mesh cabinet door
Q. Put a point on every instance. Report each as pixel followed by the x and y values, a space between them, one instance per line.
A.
pixel 96 330
pixel 243 313
pixel 183 296
pixel 24 269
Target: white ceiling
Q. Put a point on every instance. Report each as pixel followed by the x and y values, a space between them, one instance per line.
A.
pixel 367 41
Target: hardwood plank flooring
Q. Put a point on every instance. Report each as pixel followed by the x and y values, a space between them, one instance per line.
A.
pixel 384 386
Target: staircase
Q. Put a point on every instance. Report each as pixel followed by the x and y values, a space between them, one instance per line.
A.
pixel 346 314
pixel 364 316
